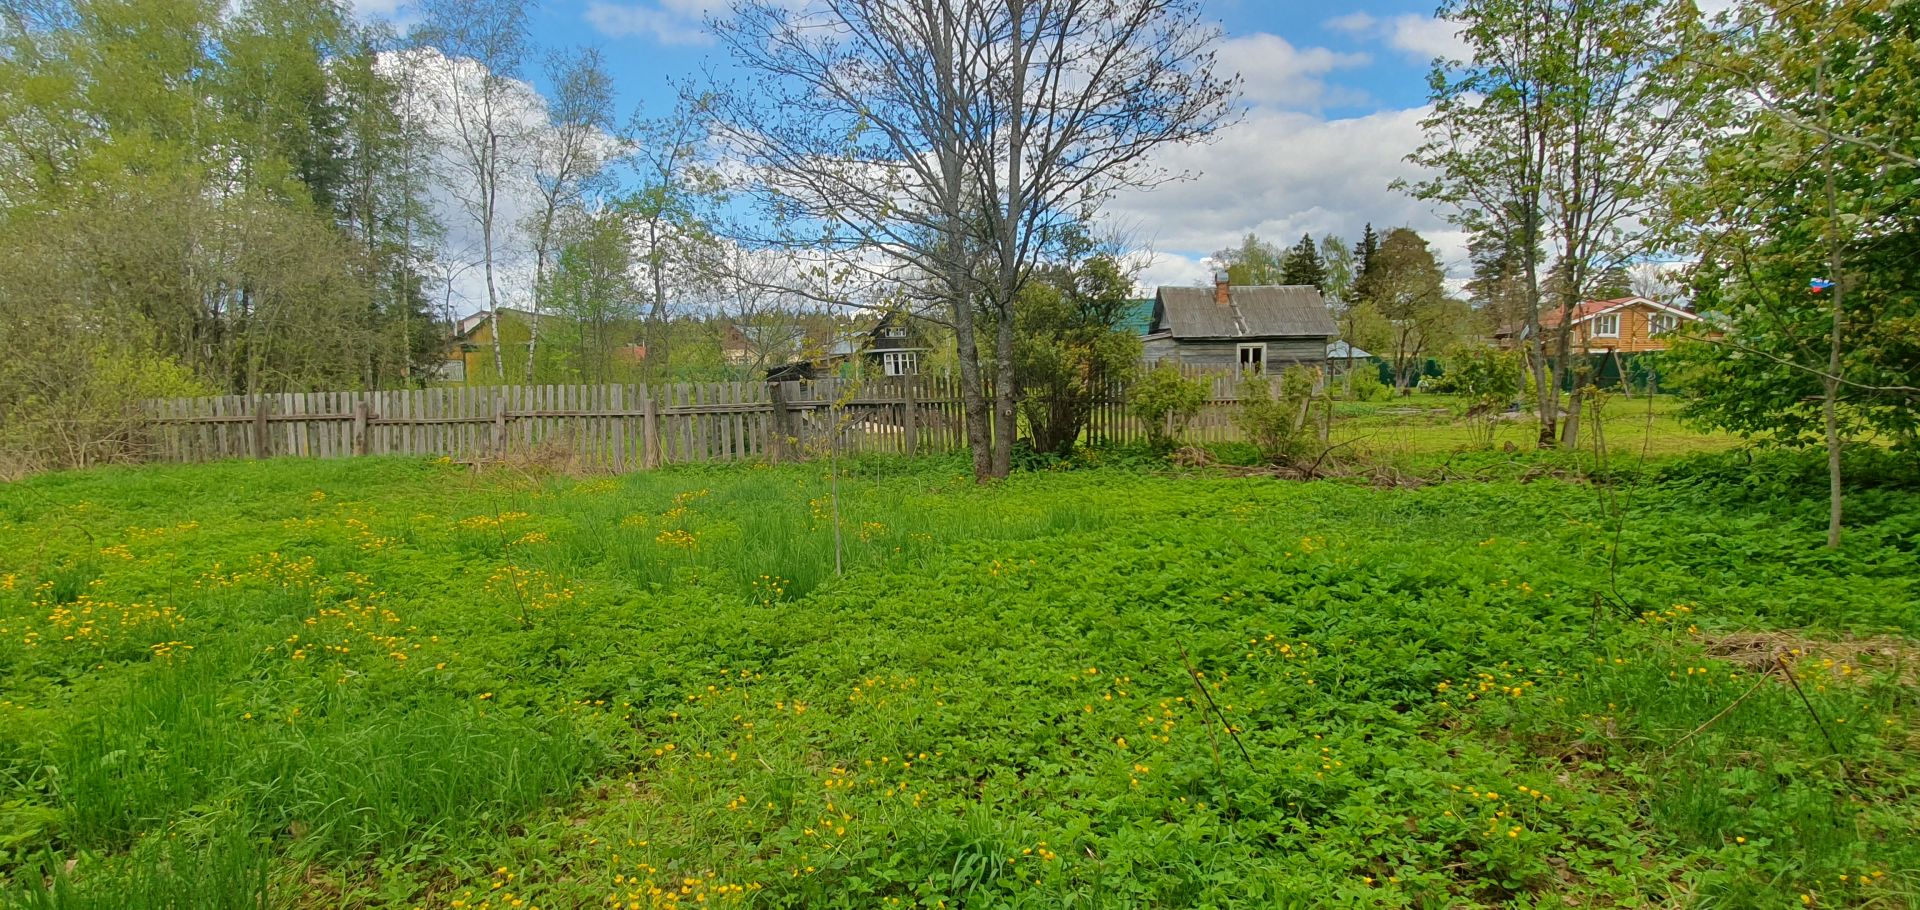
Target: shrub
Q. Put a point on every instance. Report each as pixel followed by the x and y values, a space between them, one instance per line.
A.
pixel 1363 384
pixel 1490 380
pixel 1167 401
pixel 1276 424
pixel 87 410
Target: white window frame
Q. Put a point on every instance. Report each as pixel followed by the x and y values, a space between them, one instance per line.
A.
pixel 894 331
pixel 1256 366
pixel 1606 325
pixel 901 363
pixel 1662 323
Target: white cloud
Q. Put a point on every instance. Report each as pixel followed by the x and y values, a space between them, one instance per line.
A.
pixel 1419 37
pixel 444 86
pixel 665 21
pixel 1281 174
pixel 1355 23
pixel 1276 72
pixel 1153 270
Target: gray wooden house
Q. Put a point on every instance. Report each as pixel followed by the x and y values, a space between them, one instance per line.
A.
pixel 1254 329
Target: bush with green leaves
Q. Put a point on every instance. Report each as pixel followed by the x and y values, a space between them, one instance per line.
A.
pixel 1489 381
pixel 1275 421
pixel 1363 384
pixel 1070 346
pixel 1166 402
pixel 86 408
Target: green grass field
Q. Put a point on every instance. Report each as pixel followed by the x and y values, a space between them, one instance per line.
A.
pixel 386 683
pixel 1424 425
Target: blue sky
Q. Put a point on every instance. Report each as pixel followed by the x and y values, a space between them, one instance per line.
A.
pixel 1333 98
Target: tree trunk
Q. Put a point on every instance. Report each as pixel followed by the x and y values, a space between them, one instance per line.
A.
pixel 539 292
pixel 1830 407
pixel 1546 384
pixel 656 361
pixel 973 400
pixel 1005 420
pixel 486 253
pixel 1561 366
pixel 1570 437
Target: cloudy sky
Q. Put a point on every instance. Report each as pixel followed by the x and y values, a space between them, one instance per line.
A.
pixel 1333 99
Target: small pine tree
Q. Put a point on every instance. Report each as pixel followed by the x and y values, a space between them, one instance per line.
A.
pixel 1303 265
pixel 1363 277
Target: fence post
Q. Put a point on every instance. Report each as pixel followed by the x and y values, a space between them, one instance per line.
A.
pixel 360 427
pixel 782 422
pixel 261 443
pixel 911 423
pixel 650 457
pixel 499 426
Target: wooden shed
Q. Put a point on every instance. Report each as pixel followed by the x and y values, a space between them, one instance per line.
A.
pixel 1249 328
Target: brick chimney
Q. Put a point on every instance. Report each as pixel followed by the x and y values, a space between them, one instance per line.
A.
pixel 1222 288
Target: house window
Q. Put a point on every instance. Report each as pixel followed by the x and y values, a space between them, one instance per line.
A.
pixel 894 331
pixel 1607 326
pixel 1253 358
pixel 1662 323
pixel 900 363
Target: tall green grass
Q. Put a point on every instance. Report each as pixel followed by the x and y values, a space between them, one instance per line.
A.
pixel 685 690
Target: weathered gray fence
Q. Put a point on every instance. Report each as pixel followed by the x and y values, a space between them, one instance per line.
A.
pixel 1112 422
pixel 618 427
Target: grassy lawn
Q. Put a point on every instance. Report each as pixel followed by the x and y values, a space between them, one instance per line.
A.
pixel 385 683
pixel 1425 424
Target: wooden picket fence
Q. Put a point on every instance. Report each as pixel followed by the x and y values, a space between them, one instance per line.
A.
pixel 618 427
pixel 1112 421
pixel 614 427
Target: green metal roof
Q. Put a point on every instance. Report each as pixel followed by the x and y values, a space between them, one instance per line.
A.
pixel 1138 317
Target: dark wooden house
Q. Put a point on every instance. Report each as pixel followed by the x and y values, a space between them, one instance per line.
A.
pixel 1251 328
pixel 896 345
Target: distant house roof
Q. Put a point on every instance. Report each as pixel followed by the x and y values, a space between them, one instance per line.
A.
pixel 1267 311
pixel 1340 350
pixel 1137 317
pixel 1550 315
pixel 472 323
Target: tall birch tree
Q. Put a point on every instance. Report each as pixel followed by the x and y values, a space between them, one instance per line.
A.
pixel 485 45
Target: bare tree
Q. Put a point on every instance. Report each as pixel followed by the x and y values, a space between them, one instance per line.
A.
pixel 961 140
pixel 671 210
pixel 485 42
pixel 569 156
pixel 755 296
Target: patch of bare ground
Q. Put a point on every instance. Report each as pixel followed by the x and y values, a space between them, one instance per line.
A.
pixel 1841 657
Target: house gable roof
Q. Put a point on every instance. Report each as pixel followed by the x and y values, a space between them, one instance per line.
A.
pixel 1267 311
pixel 472 323
pixel 1589 309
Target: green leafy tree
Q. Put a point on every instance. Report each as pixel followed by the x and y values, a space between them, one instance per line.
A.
pixel 1557 132
pixel 1254 262
pixel 1275 420
pixel 1071 345
pixel 1408 294
pixel 1490 380
pixel 1813 179
pixel 1499 287
pixel 594 289
pixel 1338 262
